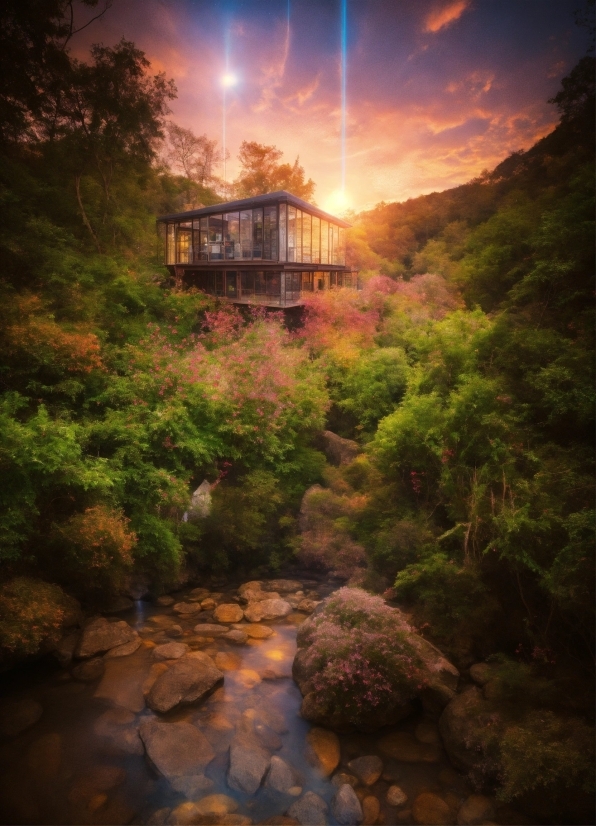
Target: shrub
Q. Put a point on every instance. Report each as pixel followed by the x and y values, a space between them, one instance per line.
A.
pixel 31 612
pixel 360 655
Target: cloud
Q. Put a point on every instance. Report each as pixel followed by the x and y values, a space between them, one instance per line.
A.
pixel 441 17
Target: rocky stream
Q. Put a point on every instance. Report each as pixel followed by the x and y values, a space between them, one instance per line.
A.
pixel 183 710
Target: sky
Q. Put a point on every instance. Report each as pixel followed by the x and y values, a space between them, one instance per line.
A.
pixel 436 91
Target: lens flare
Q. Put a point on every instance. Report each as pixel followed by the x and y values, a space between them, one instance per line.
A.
pixel 229 80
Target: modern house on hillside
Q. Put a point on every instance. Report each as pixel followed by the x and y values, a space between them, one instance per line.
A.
pixel 270 249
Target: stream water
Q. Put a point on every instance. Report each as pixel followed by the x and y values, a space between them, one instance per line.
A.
pixel 83 762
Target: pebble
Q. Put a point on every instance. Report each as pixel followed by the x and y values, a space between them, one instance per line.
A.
pixel 368 768
pixel 396 796
pixel 431 810
pixel 371 809
pixel 165 600
pixel 323 750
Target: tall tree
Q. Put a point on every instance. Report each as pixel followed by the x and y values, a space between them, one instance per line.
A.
pixel 261 173
pixel 196 155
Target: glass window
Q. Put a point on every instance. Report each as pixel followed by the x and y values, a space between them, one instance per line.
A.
pixel 282 233
pixel 331 250
pixel 204 239
pixel 219 283
pixel 299 235
pixel 336 245
pixel 316 240
pixel 306 238
pixel 342 245
pixel 307 281
pixel 184 246
pixel 171 245
pixel 260 284
pixel 215 238
pixel 231 285
pixel 291 233
pixel 231 228
pixel 324 242
pixel 257 233
pixel 273 283
pixel 247 283
pixel 246 234
pixel 270 233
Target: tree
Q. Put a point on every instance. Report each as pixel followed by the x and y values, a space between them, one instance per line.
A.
pixel 261 173
pixel 196 155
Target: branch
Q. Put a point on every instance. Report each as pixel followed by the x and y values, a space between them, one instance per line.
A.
pixel 84 214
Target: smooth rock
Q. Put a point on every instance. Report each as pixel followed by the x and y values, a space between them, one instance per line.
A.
pixel 175 631
pixel 207 629
pixel 282 586
pixel 89 671
pixel 310 810
pixel 253 585
pixel 323 750
pixel 307 605
pixel 346 807
pixel 165 601
pixel 368 768
pixel 117 727
pixel 228 612
pixel 371 809
pixel 192 785
pixel 429 809
pixel 249 762
pixel 227 661
pixel 186 608
pixel 396 796
pixel 258 632
pixel 270 716
pixel 268 609
pixel 122 685
pixel 18 715
pixel 400 745
pixel 188 680
pixel 208 604
pixel 236 637
pixel 159 817
pixel 475 810
pixel 100 636
pixel 281 777
pixel 169 651
pixel 216 804
pixel 482 673
pixel 176 749
pixel 340 778
pixel 200 593
pixel 123 650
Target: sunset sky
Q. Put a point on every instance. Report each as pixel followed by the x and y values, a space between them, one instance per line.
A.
pixel 437 90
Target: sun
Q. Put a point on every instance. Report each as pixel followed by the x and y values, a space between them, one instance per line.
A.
pixel 338 202
pixel 229 80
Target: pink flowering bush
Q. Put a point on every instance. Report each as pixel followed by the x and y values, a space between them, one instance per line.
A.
pixel 359 660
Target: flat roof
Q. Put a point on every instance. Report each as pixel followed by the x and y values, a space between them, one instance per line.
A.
pixel 257 200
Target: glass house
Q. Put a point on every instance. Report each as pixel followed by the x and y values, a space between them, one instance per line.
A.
pixel 271 249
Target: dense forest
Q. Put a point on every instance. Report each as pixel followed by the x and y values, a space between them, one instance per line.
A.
pixel 464 371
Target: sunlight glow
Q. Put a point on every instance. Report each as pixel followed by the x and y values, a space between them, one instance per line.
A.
pixel 276 654
pixel 229 80
pixel 338 202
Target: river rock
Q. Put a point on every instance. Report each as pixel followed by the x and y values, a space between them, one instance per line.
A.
pixel 475 810
pixel 187 608
pixel 281 777
pixel 89 671
pixel 282 586
pixel 339 778
pixel 431 810
pixel 192 785
pixel 307 606
pixel 227 661
pixel 176 749
pixel 462 726
pixel 188 680
pixel 165 600
pixel 368 768
pixel 257 596
pixel 253 585
pixel 100 636
pixel 236 637
pixel 346 807
pixel 396 796
pixel 371 809
pixel 482 673
pixel 249 761
pixel 403 746
pixel 208 629
pixel 65 647
pixel 310 810
pixel 268 609
pixel 124 650
pixel 19 715
pixel 228 612
pixel 257 632
pixel 208 604
pixel 122 685
pixel 169 651
pixel 323 750
pixel 175 631
pixel 116 726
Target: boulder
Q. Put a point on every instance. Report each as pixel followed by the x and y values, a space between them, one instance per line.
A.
pixel 100 636
pixel 323 750
pixel 431 810
pixel 256 631
pixel 117 727
pixel 340 778
pixel 346 807
pixel 208 604
pixel 166 600
pixel 309 810
pixel 208 629
pixel 281 777
pixel 282 586
pixel 475 810
pixel 307 606
pixel 199 594
pixel 236 637
pixel 187 608
pixel 367 768
pixel 19 715
pixel 121 685
pixel 192 785
pixel 371 809
pixel 462 726
pixel 65 647
pixel 89 671
pixel 200 503
pixel 253 585
pixel 175 749
pixel 267 609
pixel 188 680
pixel 175 630
pixel 249 761
pixel 482 673
pixel 123 650
pixel 339 451
pixel 228 612
pixel 169 651
pixel 396 796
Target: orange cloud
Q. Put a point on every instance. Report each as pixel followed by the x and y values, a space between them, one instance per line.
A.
pixel 439 18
